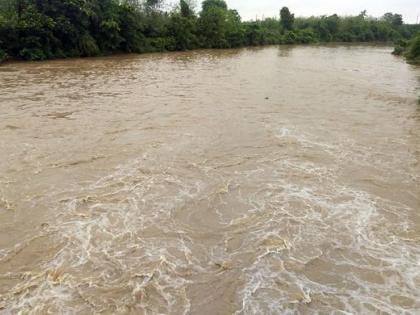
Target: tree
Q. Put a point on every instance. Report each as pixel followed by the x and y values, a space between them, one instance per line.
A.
pixel 42 29
pixel 393 19
pixel 327 27
pixel 286 19
pixel 186 10
pixel 20 7
pixel 182 27
pixel 234 30
pixel 207 4
pixel 363 14
pixel 212 26
pixel 154 5
pixel 131 29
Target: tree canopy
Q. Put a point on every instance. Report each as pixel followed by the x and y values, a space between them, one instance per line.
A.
pixel 38 29
pixel 208 4
pixel 286 19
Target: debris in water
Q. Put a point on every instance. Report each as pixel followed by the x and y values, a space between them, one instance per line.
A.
pixel 56 276
pixel 224 265
pixel 300 297
pixel 4 203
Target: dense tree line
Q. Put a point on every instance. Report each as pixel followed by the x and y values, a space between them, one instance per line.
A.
pixel 44 29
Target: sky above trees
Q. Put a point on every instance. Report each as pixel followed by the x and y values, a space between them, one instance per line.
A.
pixel 249 9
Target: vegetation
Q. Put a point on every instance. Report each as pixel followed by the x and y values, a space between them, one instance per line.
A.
pixel 44 29
pixel 413 50
pixel 410 49
pixel 400 47
pixel 2 55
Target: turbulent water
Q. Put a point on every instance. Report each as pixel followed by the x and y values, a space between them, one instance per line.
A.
pixel 253 181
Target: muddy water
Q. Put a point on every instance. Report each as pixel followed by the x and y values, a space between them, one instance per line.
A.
pixel 253 181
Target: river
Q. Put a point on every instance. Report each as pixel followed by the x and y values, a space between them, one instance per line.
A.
pixel 279 180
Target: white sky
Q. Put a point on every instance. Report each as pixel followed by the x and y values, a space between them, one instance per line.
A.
pixel 249 9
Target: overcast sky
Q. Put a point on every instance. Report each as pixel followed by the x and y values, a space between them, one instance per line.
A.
pixel 249 9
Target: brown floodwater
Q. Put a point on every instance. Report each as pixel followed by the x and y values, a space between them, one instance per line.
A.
pixel 281 180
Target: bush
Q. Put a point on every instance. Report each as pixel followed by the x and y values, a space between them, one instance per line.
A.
pixel 290 38
pixel 413 50
pixel 398 51
pixel 2 55
pixel 32 54
pixel 306 36
pixel 88 46
pixel 160 44
pixel 400 47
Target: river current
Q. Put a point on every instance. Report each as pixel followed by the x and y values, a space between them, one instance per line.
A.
pixel 280 180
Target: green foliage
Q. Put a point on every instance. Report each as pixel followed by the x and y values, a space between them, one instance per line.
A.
pixel 398 51
pixel 41 29
pixel 182 27
pixel 400 47
pixel 185 8
pixel 290 38
pixel 160 44
pixel 2 55
pixel 353 28
pixel 153 5
pixel 254 35
pixel 182 30
pixel 286 19
pixel 87 46
pixel 306 36
pixel 413 50
pixel 410 49
pixel 265 32
pixel 212 26
pixel 208 4
pixel 131 30
pixel 219 27
pixel 393 19
pixel 235 33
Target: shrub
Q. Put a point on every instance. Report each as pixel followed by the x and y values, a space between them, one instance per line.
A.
pixel 2 55
pixel 290 38
pixel 400 47
pixel 413 50
pixel 306 36
pixel 398 51
pixel 32 54
pixel 88 46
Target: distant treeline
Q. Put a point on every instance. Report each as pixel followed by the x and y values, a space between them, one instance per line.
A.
pixel 44 29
